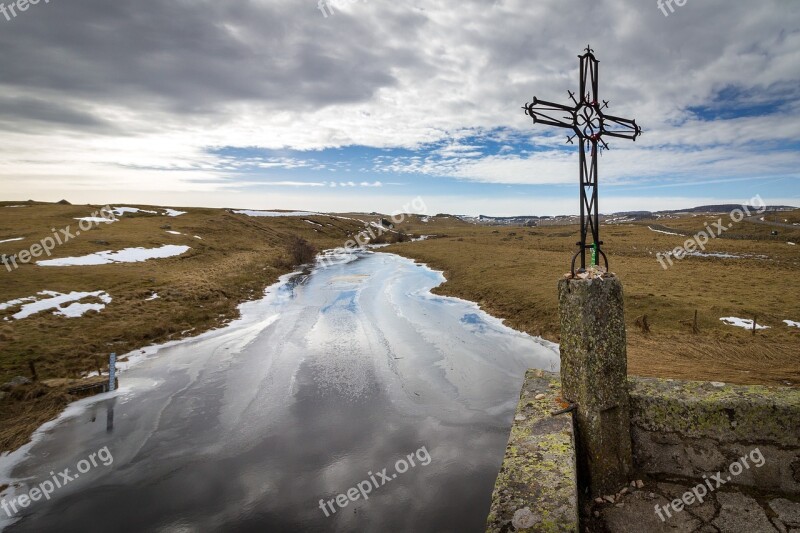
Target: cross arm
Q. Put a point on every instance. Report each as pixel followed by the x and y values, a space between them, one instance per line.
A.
pixel 622 128
pixel 544 112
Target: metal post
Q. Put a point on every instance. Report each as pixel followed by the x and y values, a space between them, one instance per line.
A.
pixel 582 162
pixel 112 371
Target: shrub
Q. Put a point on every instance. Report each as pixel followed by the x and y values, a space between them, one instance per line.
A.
pixel 400 236
pixel 301 251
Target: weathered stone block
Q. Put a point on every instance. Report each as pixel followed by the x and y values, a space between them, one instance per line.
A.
pixel 740 513
pixel 594 376
pixel 692 428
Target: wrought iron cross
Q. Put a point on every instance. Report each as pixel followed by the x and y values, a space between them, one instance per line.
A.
pixel 588 122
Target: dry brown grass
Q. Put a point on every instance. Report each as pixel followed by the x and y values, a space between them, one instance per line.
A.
pixel 788 217
pixel 29 407
pixel 512 273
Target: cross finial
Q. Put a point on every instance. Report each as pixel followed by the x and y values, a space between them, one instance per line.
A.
pixel 588 49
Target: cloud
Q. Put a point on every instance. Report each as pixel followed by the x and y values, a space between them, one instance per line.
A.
pixel 295 184
pixel 140 95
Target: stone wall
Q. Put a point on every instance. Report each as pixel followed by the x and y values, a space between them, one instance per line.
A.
pixel 689 429
pixel 683 429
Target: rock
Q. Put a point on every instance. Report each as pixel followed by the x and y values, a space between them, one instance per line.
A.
pixel 524 518
pixel 639 516
pixel 2 395
pixel 780 526
pixel 609 499
pixel 540 397
pixel 102 243
pixel 705 510
pixel 599 500
pixel 740 513
pixel 520 418
pixel 16 382
pixel 622 492
pixel 639 484
pixel 788 512
pixel 597 514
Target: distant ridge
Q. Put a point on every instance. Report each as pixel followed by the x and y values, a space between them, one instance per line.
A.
pixel 623 216
pixel 725 208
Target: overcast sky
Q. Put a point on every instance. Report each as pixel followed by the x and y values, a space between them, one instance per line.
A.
pixel 272 104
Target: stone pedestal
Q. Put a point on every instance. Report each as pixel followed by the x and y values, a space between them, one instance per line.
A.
pixel 594 376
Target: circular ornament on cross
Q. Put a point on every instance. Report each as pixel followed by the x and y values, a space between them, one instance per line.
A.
pixel 589 120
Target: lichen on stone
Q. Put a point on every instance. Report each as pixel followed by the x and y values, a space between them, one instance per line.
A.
pixel 538 472
pixel 731 413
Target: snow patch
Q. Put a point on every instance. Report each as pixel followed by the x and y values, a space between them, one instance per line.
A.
pixel 720 255
pixel 173 212
pixel 174 232
pixel 97 220
pixel 664 232
pixel 56 301
pixel 381 227
pixel 251 213
pixel 153 296
pixel 792 323
pixel 119 211
pixel 127 255
pixel 741 322
pixel 12 240
pixel 347 218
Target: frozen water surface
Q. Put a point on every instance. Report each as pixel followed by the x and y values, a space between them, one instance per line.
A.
pixel 330 376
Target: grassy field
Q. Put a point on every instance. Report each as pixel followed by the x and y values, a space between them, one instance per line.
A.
pixel 233 260
pixel 512 273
